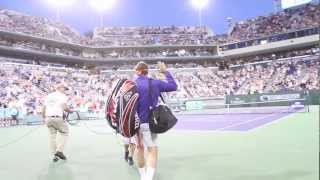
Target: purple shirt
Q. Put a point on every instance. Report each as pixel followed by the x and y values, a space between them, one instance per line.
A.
pixel 158 86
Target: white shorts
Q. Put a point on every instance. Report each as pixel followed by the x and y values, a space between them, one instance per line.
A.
pixel 128 140
pixel 149 139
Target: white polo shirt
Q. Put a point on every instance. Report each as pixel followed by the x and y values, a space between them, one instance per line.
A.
pixel 54 103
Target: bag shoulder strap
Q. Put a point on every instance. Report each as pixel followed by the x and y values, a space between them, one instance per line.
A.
pixel 162 98
pixel 150 90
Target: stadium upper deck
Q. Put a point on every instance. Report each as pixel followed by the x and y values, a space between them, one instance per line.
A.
pixel 286 21
pixel 24 36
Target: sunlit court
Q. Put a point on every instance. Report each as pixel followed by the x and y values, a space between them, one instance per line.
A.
pixel 285 147
pixel 159 90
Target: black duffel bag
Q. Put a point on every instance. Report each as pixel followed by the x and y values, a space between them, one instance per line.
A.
pixel 161 117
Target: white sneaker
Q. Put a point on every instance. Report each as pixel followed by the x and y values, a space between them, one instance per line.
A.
pixel 142 173
pixel 143 178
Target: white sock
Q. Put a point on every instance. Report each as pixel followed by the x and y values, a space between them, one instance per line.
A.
pixel 142 172
pixel 150 173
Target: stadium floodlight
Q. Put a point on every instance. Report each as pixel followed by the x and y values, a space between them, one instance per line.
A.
pixel 199 5
pixel 102 6
pixel 58 5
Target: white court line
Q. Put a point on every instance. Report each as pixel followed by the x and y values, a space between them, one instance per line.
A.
pixel 245 122
pixel 275 121
pixel 215 131
pixel 202 132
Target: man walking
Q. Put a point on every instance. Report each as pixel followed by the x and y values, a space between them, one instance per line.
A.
pixel 54 106
pixel 145 137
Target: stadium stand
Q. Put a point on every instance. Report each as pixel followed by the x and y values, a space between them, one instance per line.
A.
pixel 36 26
pixel 26 79
pixel 285 21
pixel 26 84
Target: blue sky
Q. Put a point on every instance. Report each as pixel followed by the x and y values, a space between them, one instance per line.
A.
pixel 147 12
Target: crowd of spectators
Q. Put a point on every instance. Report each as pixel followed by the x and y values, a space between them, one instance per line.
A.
pixel 24 86
pixel 285 21
pixel 134 36
pixel 114 53
pixel 281 76
pixel 13 21
pixel 266 77
pixel 39 46
pixel 306 16
pixel 314 50
pixel 127 53
pixel 152 53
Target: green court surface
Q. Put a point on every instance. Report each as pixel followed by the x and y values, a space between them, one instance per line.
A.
pixel 287 149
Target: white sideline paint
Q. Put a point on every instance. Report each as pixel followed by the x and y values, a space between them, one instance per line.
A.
pixel 245 122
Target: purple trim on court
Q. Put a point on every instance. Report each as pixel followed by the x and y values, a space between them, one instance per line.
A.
pixel 226 122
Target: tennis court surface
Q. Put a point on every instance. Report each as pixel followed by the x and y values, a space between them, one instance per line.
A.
pixel 203 146
pixel 230 121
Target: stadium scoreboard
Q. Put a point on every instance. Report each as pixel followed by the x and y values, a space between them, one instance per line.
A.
pixel 285 4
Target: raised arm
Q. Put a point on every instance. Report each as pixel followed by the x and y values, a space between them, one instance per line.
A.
pixel 168 85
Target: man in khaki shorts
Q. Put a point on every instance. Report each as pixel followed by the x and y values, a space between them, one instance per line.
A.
pixel 55 104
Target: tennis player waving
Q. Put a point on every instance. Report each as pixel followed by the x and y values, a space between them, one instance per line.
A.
pixel 145 137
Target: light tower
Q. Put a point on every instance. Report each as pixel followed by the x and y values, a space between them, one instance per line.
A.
pixel 101 6
pixel 58 5
pixel 199 5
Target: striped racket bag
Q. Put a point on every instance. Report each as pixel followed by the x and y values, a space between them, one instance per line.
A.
pixel 121 108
